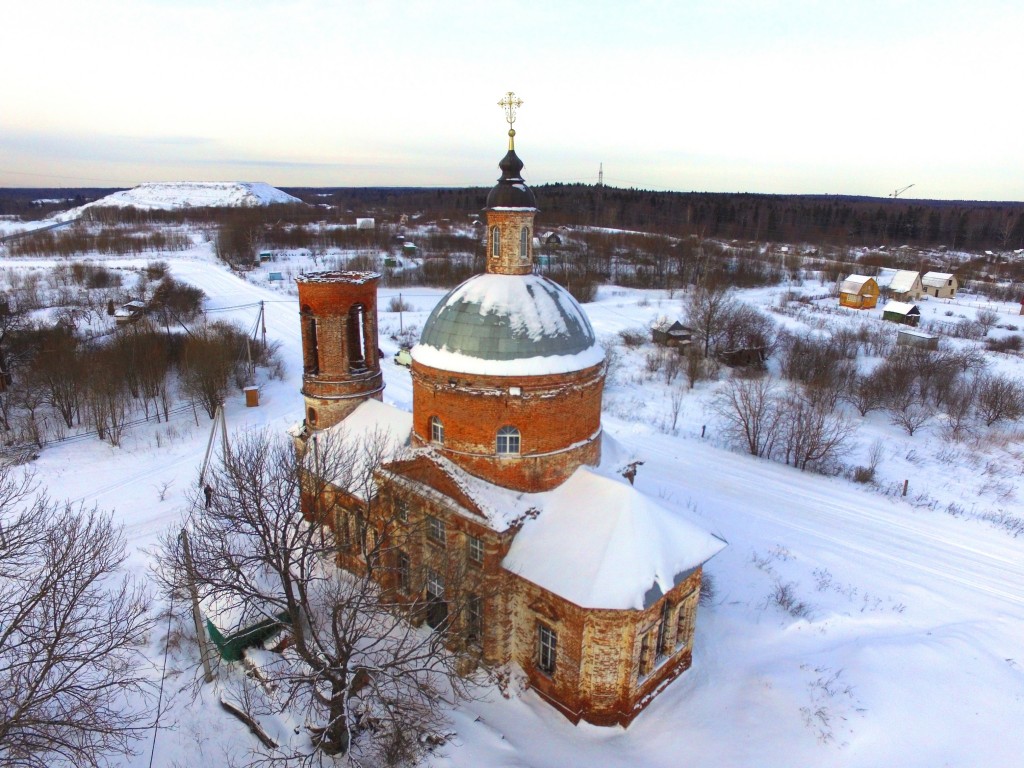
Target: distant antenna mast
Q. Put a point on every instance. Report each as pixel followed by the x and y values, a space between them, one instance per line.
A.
pixel 900 191
pixel 600 175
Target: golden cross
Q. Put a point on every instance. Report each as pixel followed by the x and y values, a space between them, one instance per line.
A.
pixel 510 104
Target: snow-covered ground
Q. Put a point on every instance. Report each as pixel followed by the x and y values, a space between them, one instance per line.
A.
pixel 174 195
pixel 902 644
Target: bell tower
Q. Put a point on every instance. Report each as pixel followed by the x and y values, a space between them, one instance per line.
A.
pixel 340 358
pixel 510 209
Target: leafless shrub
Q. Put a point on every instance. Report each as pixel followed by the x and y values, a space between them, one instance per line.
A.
pixel 999 398
pixel 708 590
pixel 784 596
pixel 398 304
pixel 634 337
pixel 986 320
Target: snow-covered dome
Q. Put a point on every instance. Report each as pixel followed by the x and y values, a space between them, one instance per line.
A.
pixel 507 325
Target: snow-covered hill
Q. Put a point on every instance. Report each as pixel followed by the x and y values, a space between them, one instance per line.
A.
pixel 175 195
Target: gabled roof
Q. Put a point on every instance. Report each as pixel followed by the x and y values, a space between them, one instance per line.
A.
pixel 936 279
pixel 901 308
pixel 897 280
pixel 854 283
pixel 600 543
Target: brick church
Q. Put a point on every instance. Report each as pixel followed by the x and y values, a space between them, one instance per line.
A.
pixel 502 514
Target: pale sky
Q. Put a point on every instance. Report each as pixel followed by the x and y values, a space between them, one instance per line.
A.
pixel 784 96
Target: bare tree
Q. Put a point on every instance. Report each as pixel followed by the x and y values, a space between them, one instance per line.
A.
pixel 210 357
pixel 986 320
pixel 909 412
pixel 70 633
pixel 998 399
pixel 959 404
pixel 751 414
pixel 812 435
pixel 707 306
pixel 863 393
pixel 368 683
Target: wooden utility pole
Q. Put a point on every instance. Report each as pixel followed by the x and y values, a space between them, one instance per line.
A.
pixel 204 648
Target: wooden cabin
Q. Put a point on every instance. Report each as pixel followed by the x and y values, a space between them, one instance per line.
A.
pixel 901 312
pixel 858 292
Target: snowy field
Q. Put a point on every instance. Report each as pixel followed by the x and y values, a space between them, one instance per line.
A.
pixel 905 646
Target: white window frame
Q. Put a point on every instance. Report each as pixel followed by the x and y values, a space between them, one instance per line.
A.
pixel 436 430
pixel 508 442
pixel 475 550
pixel 547 649
pixel 437 531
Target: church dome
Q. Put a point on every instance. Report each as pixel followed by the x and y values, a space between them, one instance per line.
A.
pixel 511 190
pixel 508 325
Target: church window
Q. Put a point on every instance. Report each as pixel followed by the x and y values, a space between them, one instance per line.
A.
pixel 475 550
pixel 508 441
pixel 474 618
pixel 404 570
pixel 663 626
pixel 437 607
pixel 684 623
pixel 310 350
pixel 436 430
pixel 524 241
pixel 644 666
pixel 547 649
pixel 311 416
pixel 402 510
pixel 357 352
pixel 495 243
pixel 436 530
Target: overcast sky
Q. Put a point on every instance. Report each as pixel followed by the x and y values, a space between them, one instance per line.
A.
pixel 790 96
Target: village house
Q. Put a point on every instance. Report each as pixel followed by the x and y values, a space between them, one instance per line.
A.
pixel 899 284
pixel 508 508
pixel 858 292
pixel 671 333
pixel 901 312
pixel 941 285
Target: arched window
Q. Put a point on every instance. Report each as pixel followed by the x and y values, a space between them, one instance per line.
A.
pixel 356 330
pixel 508 441
pixel 310 351
pixel 436 430
pixel 495 243
pixel 524 242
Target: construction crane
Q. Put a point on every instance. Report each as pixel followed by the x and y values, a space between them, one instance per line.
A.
pixel 900 191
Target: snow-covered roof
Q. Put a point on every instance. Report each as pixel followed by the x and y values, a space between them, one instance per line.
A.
pixel 854 283
pixel 508 325
pixel 901 308
pixel 373 424
pixel 936 279
pixel 600 543
pixel 916 333
pixel 897 280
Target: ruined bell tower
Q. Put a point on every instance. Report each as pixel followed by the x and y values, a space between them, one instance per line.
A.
pixel 340 357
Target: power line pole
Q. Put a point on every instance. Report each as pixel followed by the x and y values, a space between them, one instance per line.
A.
pixel 197 617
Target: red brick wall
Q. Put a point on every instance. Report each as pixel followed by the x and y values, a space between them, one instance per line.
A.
pixel 510 225
pixel 329 385
pixel 558 417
